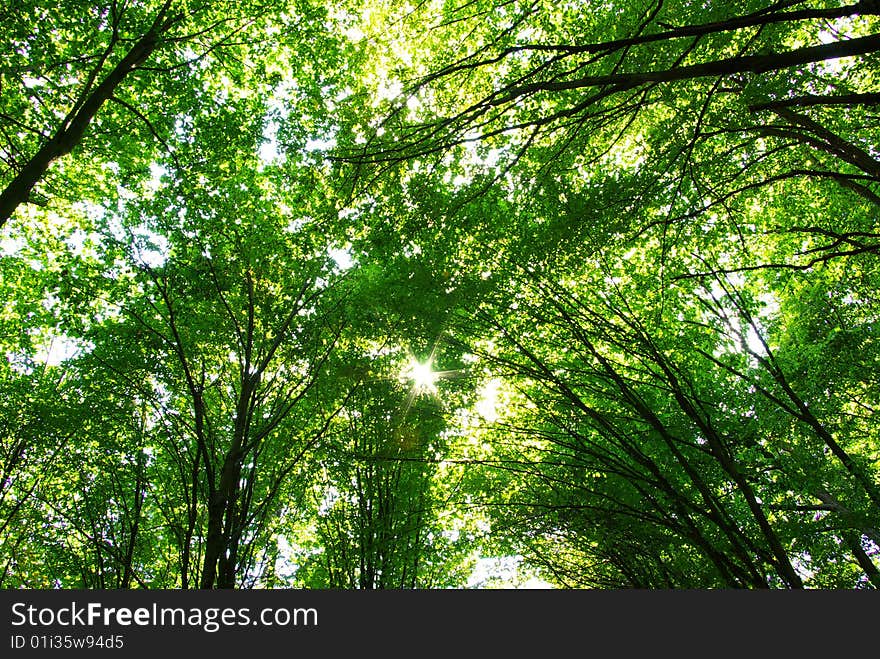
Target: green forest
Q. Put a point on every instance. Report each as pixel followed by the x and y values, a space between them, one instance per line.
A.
pixel 439 294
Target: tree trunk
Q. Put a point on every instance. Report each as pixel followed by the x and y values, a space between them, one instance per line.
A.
pixel 71 133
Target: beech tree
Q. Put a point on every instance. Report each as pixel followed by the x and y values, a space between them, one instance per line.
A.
pixel 147 60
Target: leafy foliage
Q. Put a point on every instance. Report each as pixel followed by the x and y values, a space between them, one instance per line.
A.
pixel 631 248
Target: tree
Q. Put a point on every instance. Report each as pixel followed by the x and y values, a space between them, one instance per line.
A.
pixel 59 79
pixel 355 296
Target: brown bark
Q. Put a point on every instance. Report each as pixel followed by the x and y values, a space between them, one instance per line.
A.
pixel 813 100
pixel 221 543
pixel 806 130
pixel 855 546
pixel 724 67
pixel 70 134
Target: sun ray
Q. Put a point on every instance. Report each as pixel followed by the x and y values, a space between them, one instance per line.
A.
pixel 422 376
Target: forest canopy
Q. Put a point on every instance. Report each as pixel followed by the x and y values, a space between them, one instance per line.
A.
pixel 440 294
